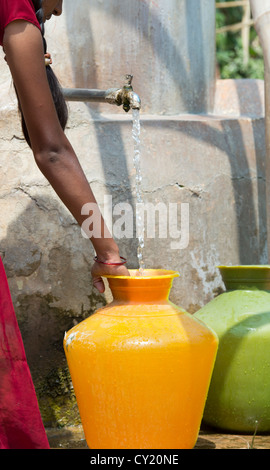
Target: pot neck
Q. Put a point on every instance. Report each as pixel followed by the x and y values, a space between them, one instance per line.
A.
pixel 246 277
pixel 148 288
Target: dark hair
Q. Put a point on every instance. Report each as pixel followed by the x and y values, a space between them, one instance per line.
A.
pixel 56 91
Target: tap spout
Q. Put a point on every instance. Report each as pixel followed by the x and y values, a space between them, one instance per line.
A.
pixel 124 96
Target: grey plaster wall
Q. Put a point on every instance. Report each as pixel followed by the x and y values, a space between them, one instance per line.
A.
pixel 169 47
pixel 202 144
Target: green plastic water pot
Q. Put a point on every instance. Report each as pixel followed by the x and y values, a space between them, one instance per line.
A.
pixel 239 393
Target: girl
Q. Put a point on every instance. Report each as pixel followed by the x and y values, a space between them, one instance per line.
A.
pixel 44 116
pixel 23 44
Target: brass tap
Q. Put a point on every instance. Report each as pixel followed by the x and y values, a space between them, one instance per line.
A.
pixel 124 96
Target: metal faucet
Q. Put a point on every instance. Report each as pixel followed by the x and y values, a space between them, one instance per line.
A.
pixel 124 96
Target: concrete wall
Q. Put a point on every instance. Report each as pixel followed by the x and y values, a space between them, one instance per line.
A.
pixel 169 47
pixel 202 144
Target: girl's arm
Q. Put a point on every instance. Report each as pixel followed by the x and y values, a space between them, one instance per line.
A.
pixel 53 152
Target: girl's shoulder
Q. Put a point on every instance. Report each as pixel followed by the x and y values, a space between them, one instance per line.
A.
pixel 16 10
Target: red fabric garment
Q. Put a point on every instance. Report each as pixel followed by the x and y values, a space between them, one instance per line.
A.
pixel 21 425
pixel 11 10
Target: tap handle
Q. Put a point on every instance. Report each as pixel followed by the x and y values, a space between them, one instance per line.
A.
pixel 129 79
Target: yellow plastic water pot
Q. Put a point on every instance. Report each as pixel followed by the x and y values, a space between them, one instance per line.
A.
pixel 141 367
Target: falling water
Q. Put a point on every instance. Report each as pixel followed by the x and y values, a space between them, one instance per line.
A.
pixel 136 130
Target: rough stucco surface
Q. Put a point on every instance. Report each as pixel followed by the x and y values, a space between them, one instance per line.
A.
pixel 214 162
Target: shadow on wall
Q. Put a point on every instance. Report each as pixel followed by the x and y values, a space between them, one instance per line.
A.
pixel 48 266
pixel 250 208
pixel 87 58
pixel 260 222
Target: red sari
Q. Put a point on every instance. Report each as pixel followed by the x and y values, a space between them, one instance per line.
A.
pixel 21 425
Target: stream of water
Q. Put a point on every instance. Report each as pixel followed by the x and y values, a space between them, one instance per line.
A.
pixel 136 131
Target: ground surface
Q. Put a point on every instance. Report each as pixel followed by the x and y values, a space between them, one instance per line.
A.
pixel 73 438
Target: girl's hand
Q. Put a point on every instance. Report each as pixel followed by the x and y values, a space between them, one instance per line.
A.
pixel 48 59
pixel 99 270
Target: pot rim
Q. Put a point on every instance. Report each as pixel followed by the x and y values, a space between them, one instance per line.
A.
pixel 246 275
pixel 150 274
pixel 245 266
